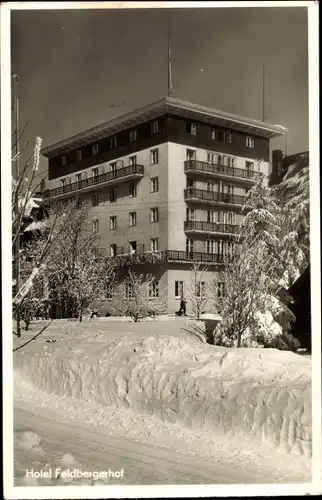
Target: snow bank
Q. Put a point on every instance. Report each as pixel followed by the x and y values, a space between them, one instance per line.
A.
pixel 260 397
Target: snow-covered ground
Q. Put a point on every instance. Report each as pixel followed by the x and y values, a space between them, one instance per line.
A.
pixel 150 399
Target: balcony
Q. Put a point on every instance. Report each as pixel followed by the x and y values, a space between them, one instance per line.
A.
pixel 191 226
pixel 118 176
pixel 213 198
pixel 170 256
pixel 204 169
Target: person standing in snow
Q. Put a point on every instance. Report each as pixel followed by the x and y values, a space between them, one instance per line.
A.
pixel 182 309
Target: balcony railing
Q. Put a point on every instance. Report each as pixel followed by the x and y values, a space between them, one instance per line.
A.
pixel 202 167
pixel 210 227
pixel 170 256
pixel 203 195
pixel 121 174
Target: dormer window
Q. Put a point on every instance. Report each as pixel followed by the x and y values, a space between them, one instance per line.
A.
pixel 79 155
pixel 154 128
pixel 192 128
pixel 250 142
pixel 95 149
pixel 133 135
pixel 63 161
pixel 113 142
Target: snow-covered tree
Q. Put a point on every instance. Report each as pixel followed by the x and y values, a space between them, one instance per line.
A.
pixel 253 281
pixel 199 288
pixel 138 296
pixel 81 272
pixel 33 255
pixel 293 196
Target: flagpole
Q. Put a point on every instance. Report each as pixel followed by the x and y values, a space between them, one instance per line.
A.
pixel 16 201
pixel 169 67
pixel 263 96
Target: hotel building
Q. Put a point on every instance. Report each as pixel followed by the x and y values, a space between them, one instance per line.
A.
pixel 166 183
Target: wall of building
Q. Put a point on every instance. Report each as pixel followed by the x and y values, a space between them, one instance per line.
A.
pixel 184 274
pixel 144 229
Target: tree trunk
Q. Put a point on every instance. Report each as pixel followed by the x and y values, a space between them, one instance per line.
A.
pixel 238 339
pixel 80 315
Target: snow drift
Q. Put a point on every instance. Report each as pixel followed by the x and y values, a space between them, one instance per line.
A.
pixel 257 396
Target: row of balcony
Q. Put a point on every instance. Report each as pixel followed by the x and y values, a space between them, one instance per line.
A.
pixel 135 171
pixel 171 256
pixel 192 226
pixel 213 197
pixel 114 177
pixel 205 169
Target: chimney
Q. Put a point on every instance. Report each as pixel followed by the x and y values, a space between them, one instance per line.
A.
pixel 277 166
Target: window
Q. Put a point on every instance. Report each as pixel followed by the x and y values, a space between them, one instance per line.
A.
pixel 249 168
pixel 132 246
pixel 79 155
pixel 133 160
pixel 190 183
pixel 113 194
pixel 211 216
pixel 230 218
pixel 228 137
pixel 192 128
pixel 154 290
pixel 78 177
pixel 154 156
pixel 221 290
pixel 113 143
pixel 154 215
pixel 63 182
pixel 132 219
pixel 154 128
pixel 190 154
pixel 189 246
pixel 154 244
pixel 95 172
pixel 129 292
pixel 95 226
pixel 112 250
pixel 133 135
pixel 63 161
pixel 211 158
pixel 200 289
pixel 211 186
pixel 68 180
pixel 95 149
pixel 95 199
pixel 220 135
pixel 113 166
pixel 211 248
pixel 154 184
pixel 230 161
pixel 178 289
pixel 250 142
pixel 113 222
pixel 190 214
pixel 132 189
pixel 213 134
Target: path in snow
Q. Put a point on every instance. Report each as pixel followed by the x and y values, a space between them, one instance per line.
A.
pixel 138 444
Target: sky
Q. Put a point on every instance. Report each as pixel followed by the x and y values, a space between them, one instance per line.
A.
pixel 80 68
